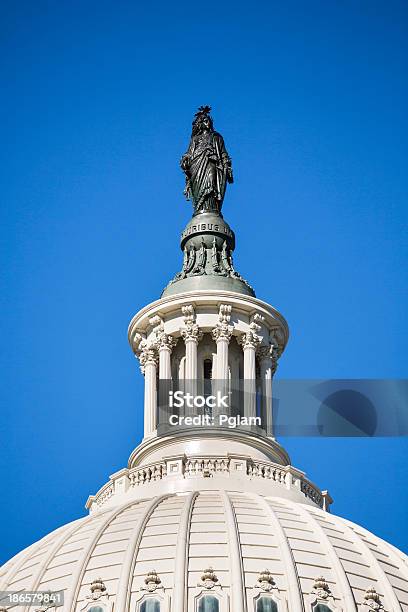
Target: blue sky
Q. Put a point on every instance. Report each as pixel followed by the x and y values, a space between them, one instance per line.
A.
pixel 97 104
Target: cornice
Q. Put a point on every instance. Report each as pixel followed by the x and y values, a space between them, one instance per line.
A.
pixel 140 321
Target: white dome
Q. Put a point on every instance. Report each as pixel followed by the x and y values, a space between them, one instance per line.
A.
pixel 211 519
pixel 239 535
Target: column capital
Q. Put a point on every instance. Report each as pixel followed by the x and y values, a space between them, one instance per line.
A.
pixel 191 333
pixel 148 356
pixel 222 331
pixel 166 342
pixel 264 352
pixel 275 354
pixel 270 351
pixel 277 340
pixel 250 340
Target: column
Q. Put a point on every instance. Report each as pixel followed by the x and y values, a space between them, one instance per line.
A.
pixel 165 344
pixel 222 333
pixel 222 337
pixel 250 342
pixel 191 336
pixel 148 360
pixel 265 356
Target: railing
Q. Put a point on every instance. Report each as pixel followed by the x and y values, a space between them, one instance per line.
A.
pixel 148 473
pixel 208 467
pixel 105 493
pixel 266 470
pixel 311 492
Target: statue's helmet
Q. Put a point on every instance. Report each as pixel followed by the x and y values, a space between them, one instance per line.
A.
pixel 202 119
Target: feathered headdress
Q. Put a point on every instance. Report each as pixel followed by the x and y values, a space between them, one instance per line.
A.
pixel 203 111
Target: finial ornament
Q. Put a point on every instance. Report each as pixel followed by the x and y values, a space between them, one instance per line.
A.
pixel 206 164
pixel 209 579
pixel 321 588
pixel 372 600
pixel 97 588
pixel 98 592
pixel 265 581
pixel 152 582
pixel 322 594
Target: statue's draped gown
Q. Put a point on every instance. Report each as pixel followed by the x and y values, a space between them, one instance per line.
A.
pixel 207 162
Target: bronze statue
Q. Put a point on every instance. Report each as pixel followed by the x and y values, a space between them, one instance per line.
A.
pixel 206 164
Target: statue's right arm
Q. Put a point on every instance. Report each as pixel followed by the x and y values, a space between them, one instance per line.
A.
pixel 184 162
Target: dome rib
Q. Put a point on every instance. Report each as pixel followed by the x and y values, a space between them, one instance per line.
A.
pixel 71 602
pixel 384 581
pixel 346 590
pixel 294 589
pixel 125 578
pixel 396 555
pixel 33 549
pixel 351 558
pixel 53 551
pixel 238 599
pixel 14 564
pixel 181 557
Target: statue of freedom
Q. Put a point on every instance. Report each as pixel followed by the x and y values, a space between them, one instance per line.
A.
pixel 206 164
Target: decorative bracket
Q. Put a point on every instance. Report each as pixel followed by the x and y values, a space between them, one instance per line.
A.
pixel 223 331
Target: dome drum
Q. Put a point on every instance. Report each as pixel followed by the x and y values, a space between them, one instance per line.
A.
pixel 238 337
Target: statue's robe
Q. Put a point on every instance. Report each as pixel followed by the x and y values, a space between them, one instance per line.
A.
pixel 207 171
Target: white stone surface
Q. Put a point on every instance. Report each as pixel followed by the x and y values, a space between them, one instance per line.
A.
pixel 239 534
pixel 208 510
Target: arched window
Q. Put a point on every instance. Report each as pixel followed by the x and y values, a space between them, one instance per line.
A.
pixel 266 604
pixel 208 603
pixel 96 609
pixel 321 608
pixel 150 605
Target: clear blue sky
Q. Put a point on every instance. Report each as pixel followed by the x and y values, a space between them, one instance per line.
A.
pixel 97 102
